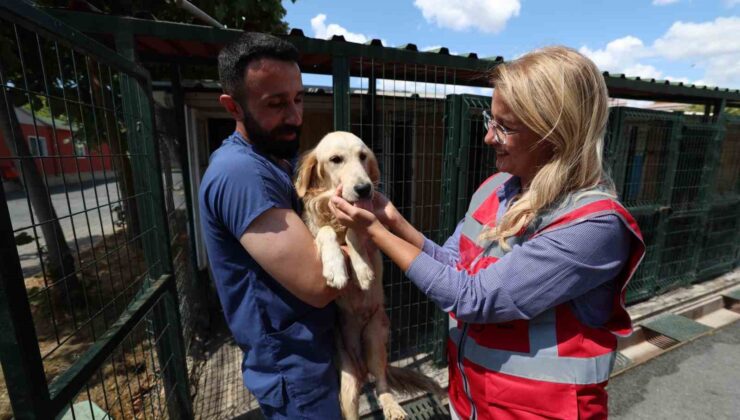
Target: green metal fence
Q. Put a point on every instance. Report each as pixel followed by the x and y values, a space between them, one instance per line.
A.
pixel 719 247
pixel 644 155
pixel 727 179
pixel 697 159
pixel 398 109
pixel 88 304
pixel 642 285
pixel 468 162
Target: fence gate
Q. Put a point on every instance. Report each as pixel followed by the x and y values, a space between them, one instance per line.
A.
pixel 663 165
pixel 468 162
pixel 88 308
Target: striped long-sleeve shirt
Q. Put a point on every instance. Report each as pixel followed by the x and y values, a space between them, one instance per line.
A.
pixel 576 264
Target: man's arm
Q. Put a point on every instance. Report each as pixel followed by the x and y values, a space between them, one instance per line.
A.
pixel 282 245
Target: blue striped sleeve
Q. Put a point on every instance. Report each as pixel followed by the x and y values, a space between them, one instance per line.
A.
pixel 449 253
pixel 575 263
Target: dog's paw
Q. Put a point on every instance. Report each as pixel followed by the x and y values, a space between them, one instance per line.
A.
pixel 391 409
pixel 335 272
pixel 365 276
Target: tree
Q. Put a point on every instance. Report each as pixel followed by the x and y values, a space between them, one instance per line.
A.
pixel 249 15
pixel 59 259
pixel 699 109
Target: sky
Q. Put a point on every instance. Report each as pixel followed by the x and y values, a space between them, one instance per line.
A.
pixel 693 41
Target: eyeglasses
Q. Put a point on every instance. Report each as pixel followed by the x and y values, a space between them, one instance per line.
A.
pixel 499 132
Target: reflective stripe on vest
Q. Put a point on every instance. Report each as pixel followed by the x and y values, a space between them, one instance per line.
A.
pixel 542 363
pixel 485 190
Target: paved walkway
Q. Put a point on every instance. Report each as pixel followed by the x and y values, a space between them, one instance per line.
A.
pixel 700 380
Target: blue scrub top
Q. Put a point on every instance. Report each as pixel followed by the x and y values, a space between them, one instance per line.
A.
pixel 288 345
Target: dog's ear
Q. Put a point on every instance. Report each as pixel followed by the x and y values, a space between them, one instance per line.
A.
pixel 372 168
pixel 307 174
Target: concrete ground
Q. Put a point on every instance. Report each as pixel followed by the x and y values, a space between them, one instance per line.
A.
pixel 700 380
pixel 85 212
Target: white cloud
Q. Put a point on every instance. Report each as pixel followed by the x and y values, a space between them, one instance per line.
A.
pixel 710 45
pixel 645 71
pixel 706 39
pixel 663 2
pixel 324 31
pixel 732 3
pixel 617 54
pixel 484 15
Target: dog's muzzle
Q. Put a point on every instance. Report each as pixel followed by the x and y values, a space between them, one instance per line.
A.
pixel 364 190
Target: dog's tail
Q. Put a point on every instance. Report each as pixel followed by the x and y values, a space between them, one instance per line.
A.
pixel 409 381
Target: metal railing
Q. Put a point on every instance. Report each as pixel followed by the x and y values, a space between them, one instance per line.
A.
pixel 88 304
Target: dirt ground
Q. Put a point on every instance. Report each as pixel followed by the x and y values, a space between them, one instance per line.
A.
pixel 129 384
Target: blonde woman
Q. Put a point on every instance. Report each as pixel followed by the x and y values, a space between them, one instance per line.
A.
pixel 534 276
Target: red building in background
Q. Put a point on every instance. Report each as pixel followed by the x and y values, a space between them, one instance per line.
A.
pixel 57 151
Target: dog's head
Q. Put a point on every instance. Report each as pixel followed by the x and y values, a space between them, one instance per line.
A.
pixel 339 158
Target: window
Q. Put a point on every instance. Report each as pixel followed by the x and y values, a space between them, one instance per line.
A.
pixel 80 148
pixel 37 146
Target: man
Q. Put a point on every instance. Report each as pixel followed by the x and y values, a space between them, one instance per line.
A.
pixel 263 258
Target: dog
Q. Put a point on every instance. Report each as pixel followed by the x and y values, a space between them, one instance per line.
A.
pixel 343 158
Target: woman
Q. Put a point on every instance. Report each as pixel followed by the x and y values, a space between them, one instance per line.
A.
pixel 535 274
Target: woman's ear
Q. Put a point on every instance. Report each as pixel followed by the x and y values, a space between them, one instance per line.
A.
pixel 307 174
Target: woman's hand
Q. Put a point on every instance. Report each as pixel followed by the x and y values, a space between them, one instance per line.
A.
pixel 385 211
pixel 353 216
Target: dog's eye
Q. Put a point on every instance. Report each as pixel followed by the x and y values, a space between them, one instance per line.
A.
pixel 335 159
pixel 363 156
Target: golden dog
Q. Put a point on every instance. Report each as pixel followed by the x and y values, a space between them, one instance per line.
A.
pixel 342 158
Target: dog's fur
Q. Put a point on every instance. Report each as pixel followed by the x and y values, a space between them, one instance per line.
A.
pixel 342 158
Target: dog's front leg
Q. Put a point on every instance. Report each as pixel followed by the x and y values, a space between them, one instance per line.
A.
pixel 359 259
pixel 332 259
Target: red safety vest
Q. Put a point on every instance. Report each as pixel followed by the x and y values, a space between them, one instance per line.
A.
pixel 552 366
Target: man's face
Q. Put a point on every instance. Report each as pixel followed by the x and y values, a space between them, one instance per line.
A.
pixel 273 108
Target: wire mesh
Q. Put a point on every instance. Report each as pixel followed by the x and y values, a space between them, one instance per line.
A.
pixel 643 284
pixel 720 246
pixel 192 295
pixel 727 181
pixel 645 140
pixel 481 159
pixel 130 383
pixel 399 111
pixel 691 184
pixel 679 251
pixel 78 184
pixel 81 258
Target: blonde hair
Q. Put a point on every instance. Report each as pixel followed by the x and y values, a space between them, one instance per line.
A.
pixel 560 95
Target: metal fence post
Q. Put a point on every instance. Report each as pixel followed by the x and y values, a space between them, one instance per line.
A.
pixel 173 344
pixel 674 149
pixel 448 205
pixel 137 101
pixel 450 168
pixel 182 153
pixel 19 351
pixel 340 83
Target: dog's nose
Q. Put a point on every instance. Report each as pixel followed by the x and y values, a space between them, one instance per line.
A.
pixel 363 190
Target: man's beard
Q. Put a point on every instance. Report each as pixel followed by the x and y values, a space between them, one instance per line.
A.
pixel 268 142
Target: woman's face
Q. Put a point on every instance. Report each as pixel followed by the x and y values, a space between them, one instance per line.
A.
pixel 522 155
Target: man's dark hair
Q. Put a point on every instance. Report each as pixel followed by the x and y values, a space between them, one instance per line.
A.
pixel 249 46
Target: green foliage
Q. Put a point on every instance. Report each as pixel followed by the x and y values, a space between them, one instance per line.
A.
pixel 249 15
pixel 700 109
